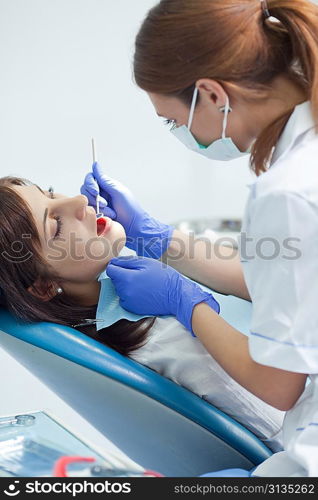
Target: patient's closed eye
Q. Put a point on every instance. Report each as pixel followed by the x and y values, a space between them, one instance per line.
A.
pixel 59 226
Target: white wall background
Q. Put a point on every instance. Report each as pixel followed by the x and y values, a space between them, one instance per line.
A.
pixel 66 75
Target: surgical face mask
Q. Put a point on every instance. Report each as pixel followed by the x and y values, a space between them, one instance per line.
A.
pixel 223 149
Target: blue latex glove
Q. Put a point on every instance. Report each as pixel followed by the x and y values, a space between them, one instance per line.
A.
pixel 147 236
pixel 146 286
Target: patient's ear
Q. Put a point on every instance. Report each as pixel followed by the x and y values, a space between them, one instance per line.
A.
pixel 43 290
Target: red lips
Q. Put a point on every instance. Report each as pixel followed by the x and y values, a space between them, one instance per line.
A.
pixel 103 225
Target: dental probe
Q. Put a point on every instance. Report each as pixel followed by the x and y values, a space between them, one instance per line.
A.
pixel 98 213
pixel 94 150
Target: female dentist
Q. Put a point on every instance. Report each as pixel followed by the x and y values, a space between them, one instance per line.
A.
pixel 245 71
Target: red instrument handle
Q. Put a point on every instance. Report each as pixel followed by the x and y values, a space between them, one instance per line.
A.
pixel 152 473
pixel 60 467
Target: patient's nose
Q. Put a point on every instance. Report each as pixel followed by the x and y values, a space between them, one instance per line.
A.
pixel 76 206
pixel 81 203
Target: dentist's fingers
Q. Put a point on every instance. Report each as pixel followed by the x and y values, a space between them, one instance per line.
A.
pixel 107 184
pixel 90 189
pixel 123 280
pixel 117 274
pixel 130 262
pixel 109 212
pixel 90 184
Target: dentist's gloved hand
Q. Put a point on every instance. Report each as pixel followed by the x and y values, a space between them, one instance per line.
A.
pixel 147 236
pixel 146 286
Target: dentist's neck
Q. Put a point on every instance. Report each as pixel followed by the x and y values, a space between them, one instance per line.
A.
pixel 286 95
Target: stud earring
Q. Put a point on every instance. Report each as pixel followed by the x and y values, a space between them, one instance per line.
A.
pixel 59 291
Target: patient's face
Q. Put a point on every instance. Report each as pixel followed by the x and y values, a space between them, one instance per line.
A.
pixel 71 242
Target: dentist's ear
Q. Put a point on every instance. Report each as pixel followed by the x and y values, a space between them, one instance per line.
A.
pixel 211 90
pixel 45 291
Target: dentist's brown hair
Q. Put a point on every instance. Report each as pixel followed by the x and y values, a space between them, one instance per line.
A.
pixel 234 43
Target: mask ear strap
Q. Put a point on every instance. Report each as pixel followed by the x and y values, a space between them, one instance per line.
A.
pixel 226 110
pixel 194 101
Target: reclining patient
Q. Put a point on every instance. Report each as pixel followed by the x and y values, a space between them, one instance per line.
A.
pixel 51 254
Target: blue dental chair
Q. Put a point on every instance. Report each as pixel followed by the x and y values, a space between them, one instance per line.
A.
pixel 157 423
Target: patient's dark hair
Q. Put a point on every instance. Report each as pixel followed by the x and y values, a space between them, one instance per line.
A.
pixel 21 264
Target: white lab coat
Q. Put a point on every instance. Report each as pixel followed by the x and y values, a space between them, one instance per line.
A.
pixel 175 354
pixel 283 204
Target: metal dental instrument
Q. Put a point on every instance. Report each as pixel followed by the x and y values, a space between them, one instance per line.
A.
pixel 98 213
pixel 88 322
pixel 94 150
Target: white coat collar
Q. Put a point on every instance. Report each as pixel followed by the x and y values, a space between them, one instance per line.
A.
pixel 300 122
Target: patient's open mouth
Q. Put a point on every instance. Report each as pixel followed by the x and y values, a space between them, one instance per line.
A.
pixel 103 225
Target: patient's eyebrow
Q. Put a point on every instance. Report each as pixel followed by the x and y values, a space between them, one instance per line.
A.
pixel 45 212
pixel 41 190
